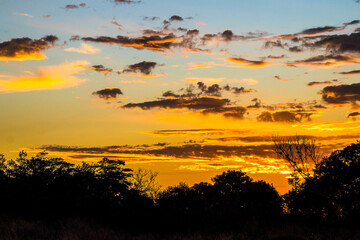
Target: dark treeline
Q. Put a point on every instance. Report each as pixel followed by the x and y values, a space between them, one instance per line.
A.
pixel 42 187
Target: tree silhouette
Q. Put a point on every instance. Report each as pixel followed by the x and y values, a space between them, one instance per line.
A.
pixel 301 153
pixel 144 181
pixel 228 203
pixel 333 192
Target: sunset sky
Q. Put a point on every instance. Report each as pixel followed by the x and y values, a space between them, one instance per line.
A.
pixel 185 88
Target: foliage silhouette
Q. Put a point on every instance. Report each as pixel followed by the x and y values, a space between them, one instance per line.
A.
pixel 229 202
pixel 333 192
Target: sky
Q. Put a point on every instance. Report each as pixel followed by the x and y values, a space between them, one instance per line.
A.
pixel 185 88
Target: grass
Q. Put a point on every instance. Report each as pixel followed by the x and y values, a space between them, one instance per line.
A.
pixel 78 229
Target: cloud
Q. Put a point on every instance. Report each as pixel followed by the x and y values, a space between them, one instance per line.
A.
pixel 206 131
pixel 154 43
pixel 23 14
pixel 176 18
pixel 50 77
pixel 108 93
pixel 354 22
pixel 126 1
pixel 320 30
pixel 341 43
pixel 355 72
pixel 168 38
pixel 99 68
pixel 201 98
pixel 280 79
pixel 182 151
pixel 114 22
pixel 20 49
pixel 275 57
pixel 228 36
pixel 353 114
pixel 327 61
pixel 238 90
pixel 312 84
pixel 74 6
pixel 85 49
pixel 248 63
pixel 205 80
pixel 284 116
pixel 342 94
pixel 319 37
pixel 151 18
pixel 143 67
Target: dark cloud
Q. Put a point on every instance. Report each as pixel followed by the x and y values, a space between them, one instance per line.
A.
pixel 114 22
pixel 355 72
pixel 231 112
pixel 326 60
pixel 46 16
pixel 319 106
pixel 248 63
pixel 320 30
pixel 168 38
pixel 342 94
pixel 176 18
pixel 75 38
pixel 228 36
pixel 201 98
pixel 256 105
pixel 353 114
pixel 280 79
pixel 151 18
pixel 354 22
pixel 312 84
pixel 17 47
pixel 198 103
pixel 108 93
pixel 182 151
pixel 74 6
pixel 284 116
pixel 203 131
pixel 143 67
pixel 341 43
pixel 154 43
pixel 275 57
pixel 213 90
pixel 319 37
pixel 257 139
pixel 126 1
pixel 238 90
pixel 100 68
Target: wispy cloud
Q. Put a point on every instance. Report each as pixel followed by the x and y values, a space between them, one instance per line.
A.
pixel 46 78
pixel 84 49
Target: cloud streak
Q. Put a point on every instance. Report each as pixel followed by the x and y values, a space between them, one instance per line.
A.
pixel 50 77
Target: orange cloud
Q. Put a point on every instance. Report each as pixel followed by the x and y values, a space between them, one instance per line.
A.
pixel 50 77
pixel 249 63
pixel 23 56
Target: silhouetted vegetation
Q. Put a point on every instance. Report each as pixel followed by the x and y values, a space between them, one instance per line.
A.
pixel 105 195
